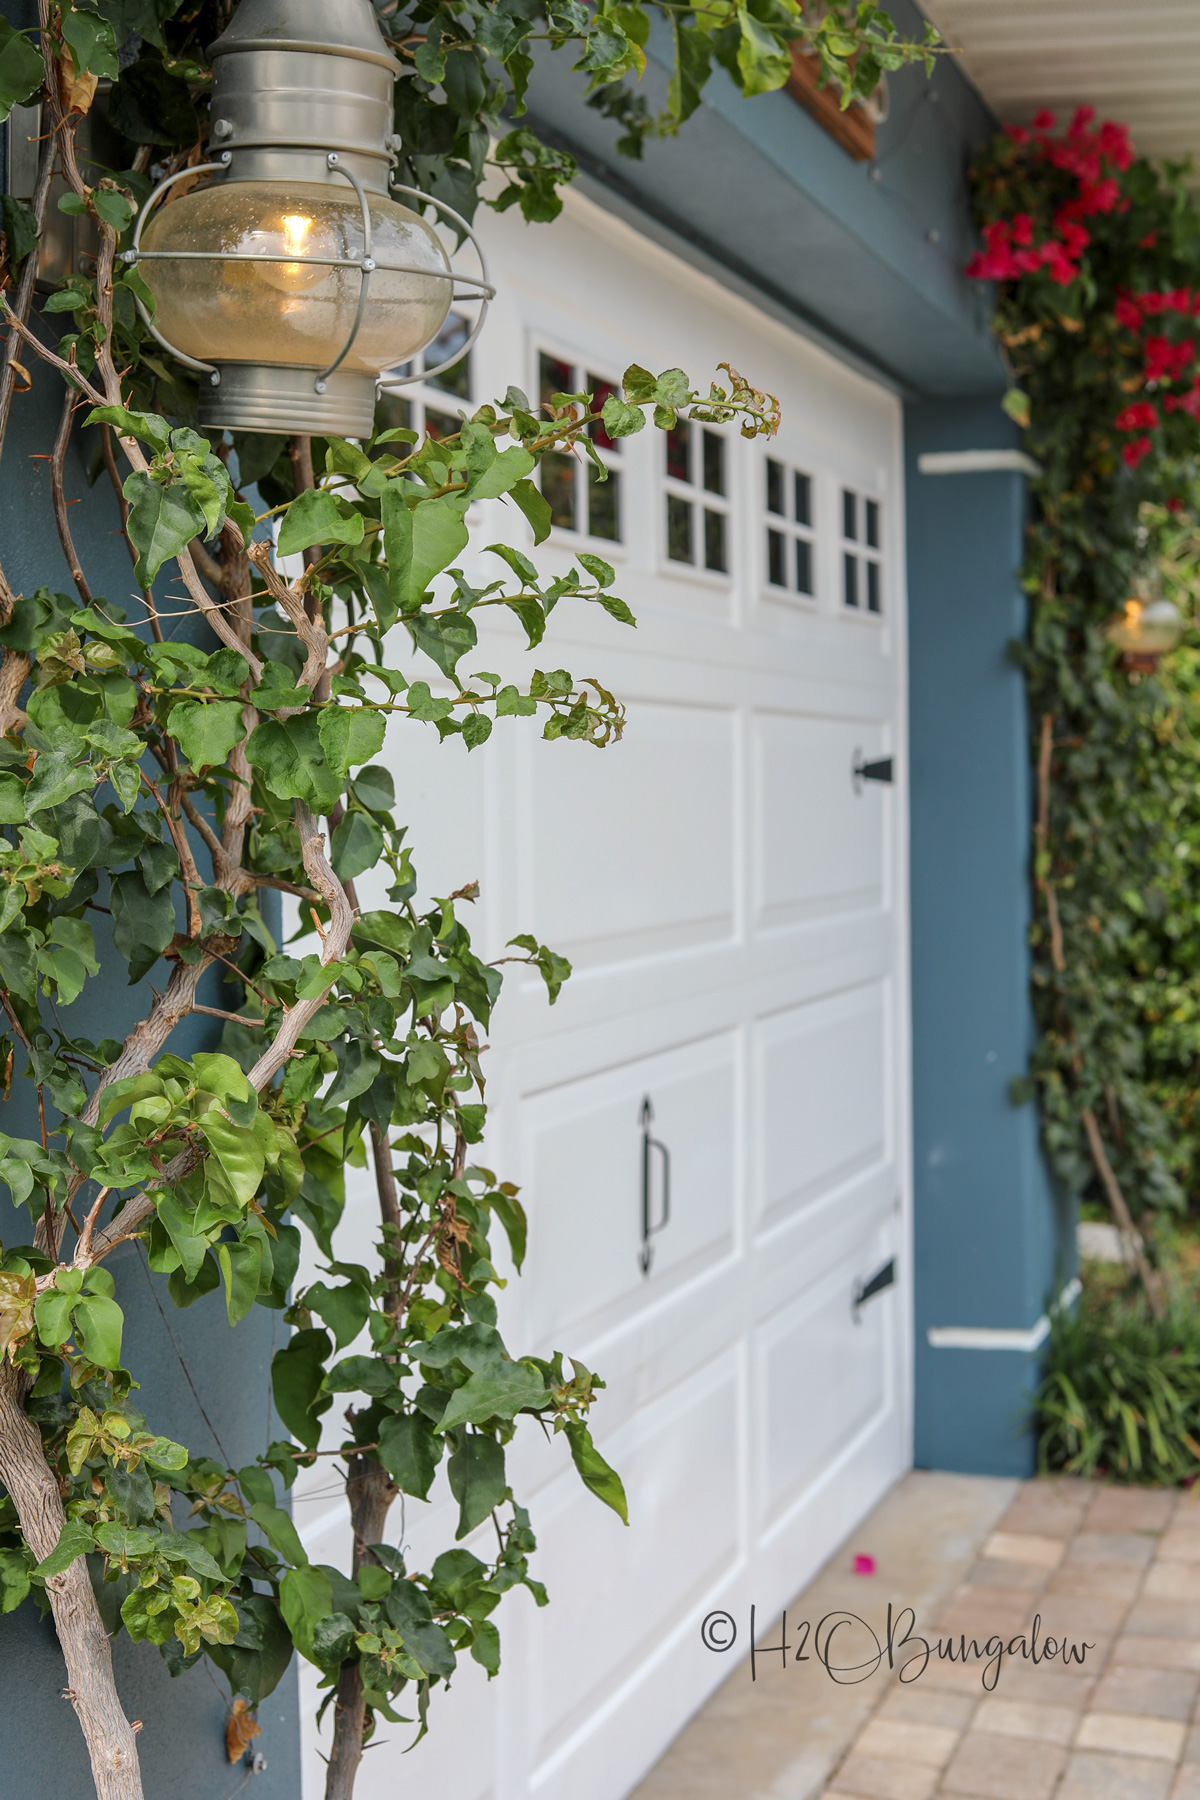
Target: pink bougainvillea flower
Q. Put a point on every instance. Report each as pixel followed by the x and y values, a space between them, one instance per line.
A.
pixel 864 1565
pixel 1149 241
pixel 1043 120
pixel 1017 133
pixel 1022 229
pixel 1083 118
pixel 1141 416
pixel 1128 312
pixel 1135 450
pixel 1112 141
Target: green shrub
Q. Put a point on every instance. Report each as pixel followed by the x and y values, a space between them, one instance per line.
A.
pixel 1120 1390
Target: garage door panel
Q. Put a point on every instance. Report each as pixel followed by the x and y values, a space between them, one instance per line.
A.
pixel 818 845
pixel 821 1098
pixel 631 853
pixel 679 1461
pixel 583 1156
pixel 822 1379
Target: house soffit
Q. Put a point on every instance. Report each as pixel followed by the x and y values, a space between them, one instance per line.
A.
pixel 1137 61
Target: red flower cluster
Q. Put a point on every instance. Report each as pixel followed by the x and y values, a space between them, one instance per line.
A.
pixel 1095 157
pixel 1089 155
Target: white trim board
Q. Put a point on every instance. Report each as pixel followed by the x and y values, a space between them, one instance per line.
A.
pixel 971 1337
pixel 976 462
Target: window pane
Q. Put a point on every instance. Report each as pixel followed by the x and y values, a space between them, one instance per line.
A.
pixel 774 486
pixel 451 338
pixel 850 581
pixel 802 485
pixel 554 377
pixel 600 390
pixel 874 597
pixel 604 508
pixel 714 540
pixel 679 462
pixel 679 529
pixel 440 424
pixel 849 514
pixel 714 463
pixel 804 580
pixel 558 487
pixel 776 559
pixel 872 512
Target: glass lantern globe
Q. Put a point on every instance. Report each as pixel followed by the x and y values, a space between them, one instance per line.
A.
pixel 1146 630
pixel 265 307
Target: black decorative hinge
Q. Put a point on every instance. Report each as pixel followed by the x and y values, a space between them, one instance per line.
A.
pixel 867 1290
pixel 878 770
pixel 650 1227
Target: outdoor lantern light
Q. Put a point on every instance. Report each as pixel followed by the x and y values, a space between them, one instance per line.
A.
pixel 290 279
pixel 1146 630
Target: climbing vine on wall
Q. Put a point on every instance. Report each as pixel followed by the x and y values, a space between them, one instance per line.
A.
pixel 1097 255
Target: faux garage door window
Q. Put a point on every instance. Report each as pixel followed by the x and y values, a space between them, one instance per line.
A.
pixel 697 501
pixel 579 499
pixel 791 561
pixel 862 536
pixel 419 411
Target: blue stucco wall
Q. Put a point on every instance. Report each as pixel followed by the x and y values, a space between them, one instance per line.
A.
pixel 992 1241
pixel 184 1719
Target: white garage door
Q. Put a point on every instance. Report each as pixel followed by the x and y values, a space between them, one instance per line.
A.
pixel 734 909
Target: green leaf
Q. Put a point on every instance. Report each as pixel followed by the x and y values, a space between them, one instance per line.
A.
pixel 409 1450
pixel 98 1326
pixel 296 1375
pixel 114 209
pixel 151 428
pixel 763 60
pixel 74 1540
pixel 502 474
pixel 206 730
pixel 595 1473
pixel 536 507
pixel 240 1266
pixel 477 1479
pixel 162 521
pixel 305 1598
pixel 238 1151
pixel 351 735
pixel 291 760
pixel 621 419
pixel 20 236
pixel 445 637
pixel 419 541
pixel 356 845
pixel 57 774
pixel 279 1532
pixel 344 1309
pixel 52 1315
pixel 21 71
pixel 693 66
pixel 318 517
pixel 14 1579
pixel 496 1393
pixel 485 1646
pixel 143 923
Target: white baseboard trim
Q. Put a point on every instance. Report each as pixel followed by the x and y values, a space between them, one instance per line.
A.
pixel 971 1337
pixel 977 462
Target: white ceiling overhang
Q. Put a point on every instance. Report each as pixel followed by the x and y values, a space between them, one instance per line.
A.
pixel 1136 61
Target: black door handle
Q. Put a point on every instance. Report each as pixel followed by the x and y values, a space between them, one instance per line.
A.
pixel 878 770
pixel 650 1146
pixel 867 1290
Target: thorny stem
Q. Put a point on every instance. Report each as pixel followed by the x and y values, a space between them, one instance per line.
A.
pixel 59 498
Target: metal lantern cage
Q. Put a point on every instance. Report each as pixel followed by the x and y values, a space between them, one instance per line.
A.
pixel 291 108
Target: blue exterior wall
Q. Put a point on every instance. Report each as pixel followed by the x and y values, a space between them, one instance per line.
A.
pixel 991 1245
